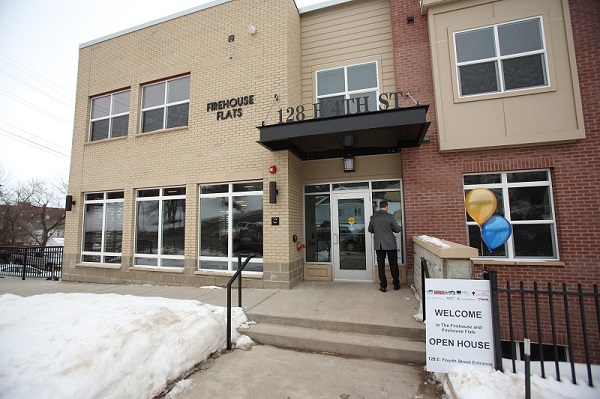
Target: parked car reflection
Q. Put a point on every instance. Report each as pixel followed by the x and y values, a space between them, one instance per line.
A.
pixel 352 242
pixel 249 241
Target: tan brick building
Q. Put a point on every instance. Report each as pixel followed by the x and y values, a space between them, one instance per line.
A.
pixel 183 125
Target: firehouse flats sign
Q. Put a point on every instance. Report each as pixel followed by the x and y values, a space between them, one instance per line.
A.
pixel 230 108
pixel 459 324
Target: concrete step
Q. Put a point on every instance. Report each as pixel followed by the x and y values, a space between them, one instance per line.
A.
pixel 382 347
pixel 415 331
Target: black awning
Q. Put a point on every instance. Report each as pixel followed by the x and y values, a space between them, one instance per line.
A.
pixel 372 133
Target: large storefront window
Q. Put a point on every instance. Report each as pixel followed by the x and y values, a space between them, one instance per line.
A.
pixel 347 90
pixel 102 227
pixel 525 199
pixel 231 225
pixel 160 227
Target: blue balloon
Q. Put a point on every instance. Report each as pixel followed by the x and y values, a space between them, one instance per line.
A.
pixel 495 231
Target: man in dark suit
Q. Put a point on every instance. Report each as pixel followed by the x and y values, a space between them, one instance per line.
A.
pixel 383 226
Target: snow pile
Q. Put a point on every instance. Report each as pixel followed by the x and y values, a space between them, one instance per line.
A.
pixel 468 382
pixel 434 241
pixel 105 346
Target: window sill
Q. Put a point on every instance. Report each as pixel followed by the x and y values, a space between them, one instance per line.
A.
pixel 107 140
pixel 171 130
pixel 99 266
pixel 491 262
pixel 220 273
pixel 178 270
pixel 458 99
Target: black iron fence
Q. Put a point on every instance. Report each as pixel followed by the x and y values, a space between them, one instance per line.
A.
pixel 37 262
pixel 563 325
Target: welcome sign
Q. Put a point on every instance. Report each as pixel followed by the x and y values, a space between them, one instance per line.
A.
pixel 459 324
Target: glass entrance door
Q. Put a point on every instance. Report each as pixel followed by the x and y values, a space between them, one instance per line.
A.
pixel 351 243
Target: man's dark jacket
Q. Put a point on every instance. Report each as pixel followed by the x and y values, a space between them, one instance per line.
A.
pixel 383 225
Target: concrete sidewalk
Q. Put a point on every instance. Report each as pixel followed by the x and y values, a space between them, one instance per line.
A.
pixel 270 372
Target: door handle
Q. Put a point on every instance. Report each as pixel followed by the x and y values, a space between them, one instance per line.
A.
pixel 335 238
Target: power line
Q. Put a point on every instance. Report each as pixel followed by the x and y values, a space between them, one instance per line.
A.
pixel 27 71
pixel 33 144
pixel 36 136
pixel 36 89
pixel 35 107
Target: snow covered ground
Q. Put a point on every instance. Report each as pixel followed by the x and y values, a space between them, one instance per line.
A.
pixel 477 383
pixel 122 346
pixel 104 345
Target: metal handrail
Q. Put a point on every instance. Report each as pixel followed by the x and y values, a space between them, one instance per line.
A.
pixel 237 274
pixel 424 275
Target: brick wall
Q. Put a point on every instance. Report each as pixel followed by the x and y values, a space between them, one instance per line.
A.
pixel 207 150
pixel 433 191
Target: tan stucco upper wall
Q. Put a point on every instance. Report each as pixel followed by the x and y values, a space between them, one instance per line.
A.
pixel 373 167
pixel 207 150
pixel 535 116
pixel 350 33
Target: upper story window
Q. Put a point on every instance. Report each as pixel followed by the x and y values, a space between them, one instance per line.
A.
pixel 524 198
pixel 110 116
pixel 501 57
pixel 165 104
pixel 343 90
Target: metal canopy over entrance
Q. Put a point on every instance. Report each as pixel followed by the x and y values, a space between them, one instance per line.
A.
pixel 372 133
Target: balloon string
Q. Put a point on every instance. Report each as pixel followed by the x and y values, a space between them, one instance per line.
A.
pixel 481 235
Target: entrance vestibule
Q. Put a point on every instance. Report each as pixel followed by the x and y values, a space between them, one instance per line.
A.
pixel 336 219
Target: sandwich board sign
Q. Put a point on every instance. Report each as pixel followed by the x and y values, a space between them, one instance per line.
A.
pixel 459 324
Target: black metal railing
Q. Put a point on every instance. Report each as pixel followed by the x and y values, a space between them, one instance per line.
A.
pixel 38 262
pixel 237 274
pixel 424 275
pixel 550 313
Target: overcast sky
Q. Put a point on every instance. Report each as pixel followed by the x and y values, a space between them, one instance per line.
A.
pixel 39 46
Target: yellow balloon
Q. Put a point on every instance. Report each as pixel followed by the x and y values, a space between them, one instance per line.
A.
pixel 480 204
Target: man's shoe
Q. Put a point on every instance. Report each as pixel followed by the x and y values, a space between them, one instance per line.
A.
pixel 381 289
pixel 396 287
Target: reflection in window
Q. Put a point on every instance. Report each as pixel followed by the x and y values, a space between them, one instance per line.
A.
pixel 317 216
pixel 103 227
pixel 501 57
pixel 165 104
pixel 231 226
pixel 525 200
pixel 110 116
pixel 391 191
pixel 160 227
